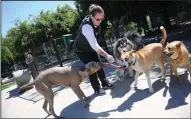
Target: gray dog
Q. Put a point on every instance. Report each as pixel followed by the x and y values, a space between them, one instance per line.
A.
pixel 130 40
pixel 68 76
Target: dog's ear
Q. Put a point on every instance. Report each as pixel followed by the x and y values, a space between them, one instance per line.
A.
pixel 120 50
pixel 178 44
pixel 81 71
pixel 131 52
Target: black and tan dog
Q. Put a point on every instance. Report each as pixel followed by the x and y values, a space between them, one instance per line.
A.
pixel 131 40
pixel 64 76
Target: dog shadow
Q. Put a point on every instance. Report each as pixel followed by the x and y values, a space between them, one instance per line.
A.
pixel 140 95
pixel 122 87
pixel 13 93
pixel 110 71
pixel 31 96
pixel 178 92
pixel 77 110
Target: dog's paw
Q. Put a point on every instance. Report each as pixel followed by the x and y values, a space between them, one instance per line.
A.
pixel 59 117
pixel 151 90
pixel 47 115
pixel 131 74
pixel 121 78
pixel 56 116
pixel 135 84
pixel 163 79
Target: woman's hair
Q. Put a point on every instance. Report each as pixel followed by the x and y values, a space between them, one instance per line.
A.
pixel 93 9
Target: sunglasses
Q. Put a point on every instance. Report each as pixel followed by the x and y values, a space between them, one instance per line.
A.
pixel 97 19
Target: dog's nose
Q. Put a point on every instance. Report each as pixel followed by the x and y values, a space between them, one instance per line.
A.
pixel 124 66
pixel 163 52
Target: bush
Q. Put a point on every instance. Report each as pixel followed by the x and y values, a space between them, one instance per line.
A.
pixel 130 26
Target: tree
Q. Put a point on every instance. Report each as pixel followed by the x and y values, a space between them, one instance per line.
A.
pixel 36 30
pixel 6 55
pixel 122 12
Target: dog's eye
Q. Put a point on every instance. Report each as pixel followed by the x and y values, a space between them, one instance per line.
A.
pixel 126 59
pixel 87 69
pixel 169 48
pixel 82 68
pixel 93 65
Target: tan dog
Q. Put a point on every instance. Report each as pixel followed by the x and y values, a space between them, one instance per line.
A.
pixel 144 58
pixel 64 76
pixel 178 56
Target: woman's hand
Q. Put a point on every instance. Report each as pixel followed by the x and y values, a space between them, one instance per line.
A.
pixel 110 59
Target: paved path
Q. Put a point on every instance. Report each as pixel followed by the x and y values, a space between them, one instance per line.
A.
pixel 170 100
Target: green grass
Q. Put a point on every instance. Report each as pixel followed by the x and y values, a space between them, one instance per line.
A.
pixel 7 85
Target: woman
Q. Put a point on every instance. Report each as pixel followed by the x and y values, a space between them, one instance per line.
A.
pixel 87 48
pixel 31 64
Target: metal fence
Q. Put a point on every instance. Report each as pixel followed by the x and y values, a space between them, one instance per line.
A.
pixel 45 55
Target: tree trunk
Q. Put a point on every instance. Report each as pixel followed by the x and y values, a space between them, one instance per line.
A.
pixel 116 28
pixel 145 26
pixel 152 18
pixel 167 19
pixel 56 51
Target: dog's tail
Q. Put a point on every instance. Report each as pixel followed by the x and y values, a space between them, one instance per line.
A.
pixel 27 85
pixel 163 35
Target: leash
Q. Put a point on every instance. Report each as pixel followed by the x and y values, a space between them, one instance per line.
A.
pixel 113 65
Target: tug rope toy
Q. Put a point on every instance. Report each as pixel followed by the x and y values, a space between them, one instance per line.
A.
pixel 113 65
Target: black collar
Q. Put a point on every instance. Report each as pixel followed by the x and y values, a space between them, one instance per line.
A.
pixel 132 63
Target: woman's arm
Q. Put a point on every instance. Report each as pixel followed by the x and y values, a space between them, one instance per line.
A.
pixel 88 32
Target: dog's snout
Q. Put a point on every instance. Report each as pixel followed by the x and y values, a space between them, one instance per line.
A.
pixel 124 66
